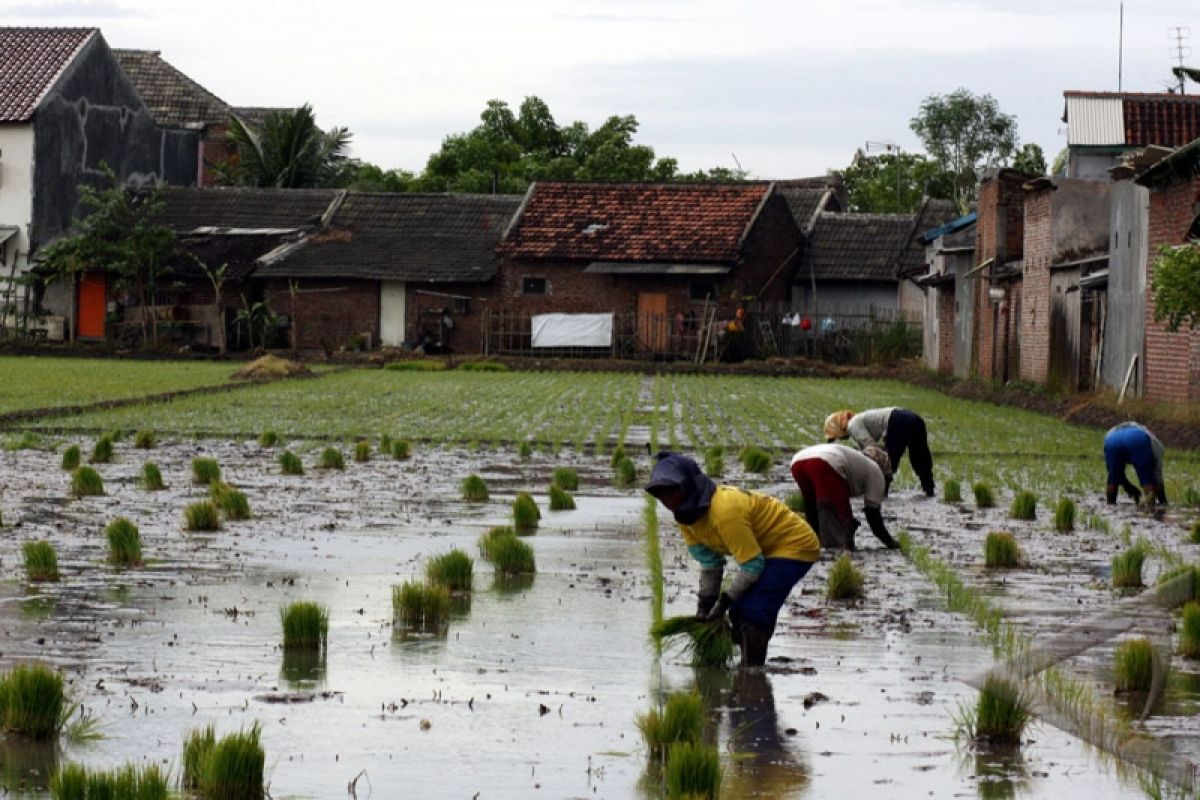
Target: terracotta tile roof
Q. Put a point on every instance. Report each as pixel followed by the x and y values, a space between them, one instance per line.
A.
pixel 861 247
pixel 175 100
pixel 188 209
pixel 635 221
pixel 31 59
pixel 1152 118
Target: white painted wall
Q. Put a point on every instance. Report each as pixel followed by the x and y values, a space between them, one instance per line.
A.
pixel 16 194
pixel 392 297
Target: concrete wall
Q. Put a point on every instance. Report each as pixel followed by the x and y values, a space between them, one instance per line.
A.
pixel 16 195
pixel 837 298
pixel 1123 332
pixel 1080 211
pixel 1091 166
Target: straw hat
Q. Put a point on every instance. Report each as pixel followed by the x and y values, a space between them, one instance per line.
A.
pixel 835 424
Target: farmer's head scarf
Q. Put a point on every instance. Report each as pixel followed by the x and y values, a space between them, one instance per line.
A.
pixel 880 457
pixel 835 424
pixel 674 471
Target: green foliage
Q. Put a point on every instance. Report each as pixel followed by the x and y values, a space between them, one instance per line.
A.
pixel 1191 497
pixel 86 482
pixel 202 516
pixel 795 501
pixel 983 495
pixel 1194 534
pixel 71 457
pixel 331 458
pixel 483 366
pixel 102 452
pixel 709 644
pixel 951 491
pixel 290 463
pixel 1176 286
pixel 268 439
pixel 681 720
pixel 1030 159
pixel 1189 631
pixel 233 768
pixel 454 570
pixel 487 541
pixel 41 561
pixel 145 440
pixel 845 580
pixel 1024 506
pixel 205 471
pixel 566 478
pixel 230 500
pixel 714 465
pixel 755 459
pixel 305 626
pixel 626 472
pixel 999 716
pixel 1000 550
pixel 1127 567
pixel 693 772
pixel 33 702
pixel 560 499
pixel 362 451
pixel 420 606
pixel 894 182
pixel 1064 515
pixel 124 542
pixel 128 782
pixel 511 556
pixel 289 151
pixel 401 449
pixel 525 512
pixel 618 455
pixel 474 489
pixel 1133 665
pixel 417 365
pixel 385 444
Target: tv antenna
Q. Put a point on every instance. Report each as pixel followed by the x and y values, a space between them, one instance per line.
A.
pixel 1180 51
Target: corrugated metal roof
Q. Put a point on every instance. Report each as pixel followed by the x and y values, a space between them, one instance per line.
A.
pixel 1095 121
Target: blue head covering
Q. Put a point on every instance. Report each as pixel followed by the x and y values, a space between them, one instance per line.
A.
pixel 675 471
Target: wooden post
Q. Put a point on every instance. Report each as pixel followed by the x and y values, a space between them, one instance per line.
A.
pixel 1128 374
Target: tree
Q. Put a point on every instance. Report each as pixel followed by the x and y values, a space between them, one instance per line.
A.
pixel 965 134
pixel 290 152
pixel 1176 286
pixel 1030 159
pixel 894 183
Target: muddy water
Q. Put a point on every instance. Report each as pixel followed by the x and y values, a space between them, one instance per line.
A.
pixel 532 691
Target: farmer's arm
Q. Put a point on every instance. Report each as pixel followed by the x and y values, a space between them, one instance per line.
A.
pixel 733 526
pixel 874 486
pixel 858 431
pixel 712 570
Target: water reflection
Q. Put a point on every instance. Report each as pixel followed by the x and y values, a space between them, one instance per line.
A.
pixel 303 669
pixel 509 585
pixel 460 605
pixel 26 766
pixel 38 607
pixel 1000 772
pixel 766 764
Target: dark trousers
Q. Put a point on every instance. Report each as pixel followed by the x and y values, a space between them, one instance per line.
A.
pixel 906 431
pixel 760 605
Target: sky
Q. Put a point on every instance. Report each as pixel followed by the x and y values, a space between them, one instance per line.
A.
pixel 781 88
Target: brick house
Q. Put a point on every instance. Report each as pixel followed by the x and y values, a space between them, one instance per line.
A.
pixel 1104 126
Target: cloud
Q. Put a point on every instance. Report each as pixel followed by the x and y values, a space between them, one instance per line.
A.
pixel 59 9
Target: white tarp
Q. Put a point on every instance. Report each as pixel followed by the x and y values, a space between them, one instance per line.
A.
pixel 572 330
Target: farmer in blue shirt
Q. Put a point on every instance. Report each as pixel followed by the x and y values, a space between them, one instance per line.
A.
pixel 1131 443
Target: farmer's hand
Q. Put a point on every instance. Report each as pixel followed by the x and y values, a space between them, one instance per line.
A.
pixel 717 612
pixel 704 605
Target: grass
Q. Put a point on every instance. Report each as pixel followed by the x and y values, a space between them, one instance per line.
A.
pixel 618 454
pixel 999 716
pixel 205 471
pixel 305 626
pixel 511 556
pixel 952 491
pixel 487 541
pixel 124 542
pixel 198 745
pixel 202 516
pixel 268 438
pixel 1024 506
pixel 983 495
pixel 33 701
pixel 454 570
pixel 1189 631
pixel 233 768
pixel 626 472
pixel 71 457
pixel 331 458
pixel 1133 665
pixel 152 479
pixel 362 451
pixel 757 460
pixel 525 512
pixel 561 499
pixel 86 482
pixel 1064 515
pixel 401 449
pixel 145 440
pixel 474 489
pixel 1191 497
pixel 1000 551
pixel 102 451
pixel 680 720
pixel 654 564
pixel 707 643
pixel 41 561
pixel 231 501
pixel 845 580
pixel 566 478
pixel 1127 567
pixel 290 463
pixel 417 605
pixel 1194 533
pixel 795 501
pixel 693 772
pixel 128 782
pixel 483 366
pixel 416 365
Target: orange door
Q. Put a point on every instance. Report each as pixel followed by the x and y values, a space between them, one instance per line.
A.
pixel 93 297
pixel 652 321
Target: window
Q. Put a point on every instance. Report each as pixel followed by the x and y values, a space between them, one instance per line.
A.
pixel 534 286
pixel 699 291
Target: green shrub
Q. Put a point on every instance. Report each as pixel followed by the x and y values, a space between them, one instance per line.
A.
pixel 41 561
pixel 202 516
pixel 102 452
pixel 983 495
pixel 1024 506
pixel 487 540
pixel 845 580
pixel 205 471
pixel 483 366
pixel 305 626
pixel 709 644
pixel 1000 550
pixel 525 512
pixel 795 501
pixel 999 716
pixel 144 440
pixel 71 457
pixel 681 720
pixel 952 491
pixel 1133 665
pixel 474 489
pixel 525 450
pixel 626 472
pixel 1189 631
pixel 362 451
pixel 401 449
pixel 755 459
pixel 233 769
pixel 511 556
pixel 693 772
pixel 454 570
pixel 331 458
pixel 86 482
pixel 1064 515
pixel 566 478
pixel 290 463
pixel 230 500
pixel 152 479
pixel 128 782
pixel 268 439
pixel 416 365
pixel 420 606
pixel 1127 567
pixel 124 542
pixel 33 701
pixel 560 499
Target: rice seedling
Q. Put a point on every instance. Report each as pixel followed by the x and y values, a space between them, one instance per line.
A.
pixel 1133 665
pixel 1178 585
pixel 511 556
pixel 41 561
pixel 205 471
pixel 28 441
pixel 362 451
pixel 454 570
pixel 654 564
pixel 525 513
pixel 680 720
pixel 999 716
pixel 1191 497
pixel 1127 567
pixel 305 626
pixel 1064 515
pixel 1000 550
pixel 566 478
pixel 86 482
pixel 198 745
pixel 71 457
pixel 290 463
pixel 102 451
pixel 487 540
pixel 951 491
pixel 1189 631
pixel 331 458
pixel 128 782
pixel 1194 535
pixel 693 772
pixel 124 542
pixel 714 465
pixel 416 365
pixel 152 479
pixel 795 501
pixel 845 580
pixel 233 768
pixel 560 499
pixel 1024 506
pixel 145 440
pixel 268 439
pixel 483 366
pixel 525 451
pixel 202 516
pixel 33 701
pixel 231 501
pixel 474 489
pixel 417 605
pixel 983 495
pixel 709 644
pixel 755 459
pixel 401 449
pixel 626 472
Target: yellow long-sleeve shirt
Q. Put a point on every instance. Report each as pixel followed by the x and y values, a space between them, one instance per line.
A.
pixel 745 525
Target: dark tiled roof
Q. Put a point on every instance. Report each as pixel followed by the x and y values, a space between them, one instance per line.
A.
pixel 239 252
pixel 863 247
pixel 31 59
pixel 804 202
pixel 175 100
pixel 189 209
pixel 1168 120
pixel 635 221
pixel 408 237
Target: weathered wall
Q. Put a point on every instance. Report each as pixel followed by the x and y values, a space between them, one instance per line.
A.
pixel 1080 211
pixel 848 298
pixel 1035 287
pixel 328 312
pixel 1123 332
pixel 1172 359
pixel 16 193
pixel 999 237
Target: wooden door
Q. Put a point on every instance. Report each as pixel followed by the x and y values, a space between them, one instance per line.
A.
pixel 93 299
pixel 652 321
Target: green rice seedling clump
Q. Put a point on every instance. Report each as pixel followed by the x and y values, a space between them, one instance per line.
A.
pixel 1133 665
pixel 331 458
pixel 757 460
pixel 474 489
pixel 86 482
pixel 290 463
pixel 693 772
pixel 454 570
pixel 1000 550
pixel 198 745
pixel 525 450
pixel 1191 497
pixel 525 512
pixel 708 643
pixel 124 542
pixel 385 444
pixel 33 702
pixel 1189 631
pixel 999 716
pixel 1024 506
pixel 268 439
pixel 144 440
pixel 680 720
pixel 511 556
pixel 152 479
pixel 714 465
pixel 566 478
pixel 983 495
pixel 416 365
pixel 401 449
pixel 618 454
pixel 420 606
pixel 128 782
pixel 231 501
pixel 305 626
pixel 71 457
pixel 487 540
pixel 202 516
pixel 1064 515
pixel 233 769
pixel 102 451
pixel 561 499
pixel 952 491
pixel 362 451
pixel 795 501
pixel 205 471
pixel 845 580
pixel 1194 535
pixel 1127 568
pixel 483 366
pixel 41 561
pixel 626 472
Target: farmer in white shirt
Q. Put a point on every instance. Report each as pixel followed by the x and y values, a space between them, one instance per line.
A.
pixel 893 429
pixel 828 476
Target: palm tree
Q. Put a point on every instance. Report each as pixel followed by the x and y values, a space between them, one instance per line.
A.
pixel 289 152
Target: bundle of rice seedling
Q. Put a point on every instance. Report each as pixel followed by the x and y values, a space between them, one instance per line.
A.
pixel 983 495
pixel 419 605
pixel 1191 497
pixel 144 440
pixel 626 472
pixel 474 489
pixel 202 516
pixel 560 499
pixel 41 561
pixel 1024 506
pixel 1000 550
pixel 454 570
pixel 755 459
pixel 845 580
pixel 205 471
pixel 1064 515
pixel 1189 631
pixel 999 716
pixel 305 626
pixel 525 450
pixel 233 768
pixel 231 501
pixel 124 542
pixel 331 458
pixel 128 782
pixel 566 478
pixel 693 772
pixel 1127 567
pixel 401 449
pixel 1133 665
pixel 1194 534
pixel 487 541
pixel 197 746
pixel 385 444
pixel 511 556
pixel 33 701
pixel 71 457
pixel 268 439
pixel 681 720
pixel 362 451
pixel 102 452
pixel 952 491
pixel 709 644
pixel 714 465
pixel 618 454
pixel 85 482
pixel 525 513
pixel 152 479
pixel 290 463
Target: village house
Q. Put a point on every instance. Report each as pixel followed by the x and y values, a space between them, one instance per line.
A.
pixel 1103 127
pixel 948 295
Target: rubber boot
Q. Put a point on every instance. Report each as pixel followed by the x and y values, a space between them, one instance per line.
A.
pixel 754 646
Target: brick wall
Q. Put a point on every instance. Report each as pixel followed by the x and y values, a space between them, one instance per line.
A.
pixel 945 315
pixel 1172 368
pixel 423 305
pixel 328 313
pixel 1035 287
pixel 999 236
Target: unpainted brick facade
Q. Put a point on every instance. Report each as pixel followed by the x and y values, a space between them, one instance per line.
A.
pixel 329 314
pixel 1035 286
pixel 1172 369
pixel 1000 238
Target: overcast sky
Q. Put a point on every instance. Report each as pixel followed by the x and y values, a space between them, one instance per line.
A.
pixel 789 87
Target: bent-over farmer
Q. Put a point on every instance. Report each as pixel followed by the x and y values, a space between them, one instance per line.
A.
pixel 773 548
pixel 1131 443
pixel 828 476
pixel 895 430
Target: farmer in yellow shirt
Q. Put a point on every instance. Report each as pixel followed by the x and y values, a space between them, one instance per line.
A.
pixel 773 547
